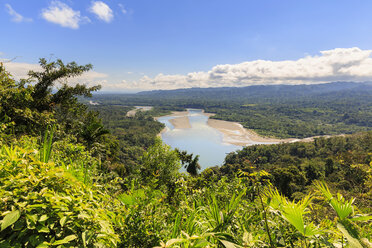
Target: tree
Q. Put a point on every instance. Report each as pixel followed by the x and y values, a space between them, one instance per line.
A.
pixel 15 105
pixel 160 165
pixel 54 71
pixel 31 105
pixel 92 130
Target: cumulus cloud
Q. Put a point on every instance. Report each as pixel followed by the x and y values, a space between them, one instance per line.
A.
pixel 351 64
pixel 102 11
pixel 16 17
pixel 20 70
pixel 62 14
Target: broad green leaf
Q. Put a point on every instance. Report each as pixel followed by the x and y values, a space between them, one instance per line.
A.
pixel 62 221
pixel 43 229
pixel 43 245
pixel 83 236
pixel 229 244
pixel 43 218
pixel 32 218
pixel 344 208
pixel 173 241
pixel 10 219
pixel 361 218
pixel 66 240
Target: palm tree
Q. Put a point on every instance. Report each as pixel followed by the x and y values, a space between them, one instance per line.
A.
pixel 345 212
pixel 92 132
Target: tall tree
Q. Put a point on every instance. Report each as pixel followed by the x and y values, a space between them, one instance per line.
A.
pixel 57 71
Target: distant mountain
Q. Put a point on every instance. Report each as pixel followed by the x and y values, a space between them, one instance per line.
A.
pixel 264 91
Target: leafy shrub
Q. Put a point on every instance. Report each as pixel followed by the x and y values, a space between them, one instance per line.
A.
pixel 43 205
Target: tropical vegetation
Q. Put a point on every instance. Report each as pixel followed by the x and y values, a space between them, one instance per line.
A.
pixel 69 179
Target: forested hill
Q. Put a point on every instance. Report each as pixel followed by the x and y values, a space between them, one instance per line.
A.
pixel 264 91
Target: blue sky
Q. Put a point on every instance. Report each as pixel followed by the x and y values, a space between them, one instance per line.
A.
pixel 138 44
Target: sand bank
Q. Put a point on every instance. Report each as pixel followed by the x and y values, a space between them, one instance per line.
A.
pixel 174 114
pixel 133 112
pixel 235 133
pixel 181 122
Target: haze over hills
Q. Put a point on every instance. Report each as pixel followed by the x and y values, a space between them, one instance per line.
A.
pixel 265 91
pixel 258 93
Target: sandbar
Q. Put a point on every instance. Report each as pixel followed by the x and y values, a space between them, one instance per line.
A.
pixel 133 112
pixel 181 122
pixel 235 133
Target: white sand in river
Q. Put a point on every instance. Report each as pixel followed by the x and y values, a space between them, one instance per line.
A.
pixel 133 112
pixel 181 122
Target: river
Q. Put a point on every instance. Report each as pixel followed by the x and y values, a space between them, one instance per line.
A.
pixel 200 139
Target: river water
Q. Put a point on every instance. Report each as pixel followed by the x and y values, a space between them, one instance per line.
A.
pixel 200 139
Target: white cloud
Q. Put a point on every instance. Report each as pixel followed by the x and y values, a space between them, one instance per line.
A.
pixel 102 11
pixel 62 14
pixel 16 17
pixel 90 78
pixel 123 9
pixel 351 64
pixel 20 70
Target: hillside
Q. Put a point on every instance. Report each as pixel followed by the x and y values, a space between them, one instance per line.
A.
pixel 263 91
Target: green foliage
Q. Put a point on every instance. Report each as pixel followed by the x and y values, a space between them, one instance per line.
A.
pixel 43 205
pixel 10 219
pixel 46 204
pixel 16 110
pixel 92 130
pixel 160 165
pixel 293 212
pixel 188 161
pixel 52 72
pixel 133 135
pixel 342 162
pixel 344 209
pixel 64 192
pixel 46 148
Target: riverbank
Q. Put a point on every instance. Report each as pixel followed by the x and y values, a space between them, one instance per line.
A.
pixel 133 112
pixel 177 124
pixel 181 122
pixel 233 132
pixel 174 114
